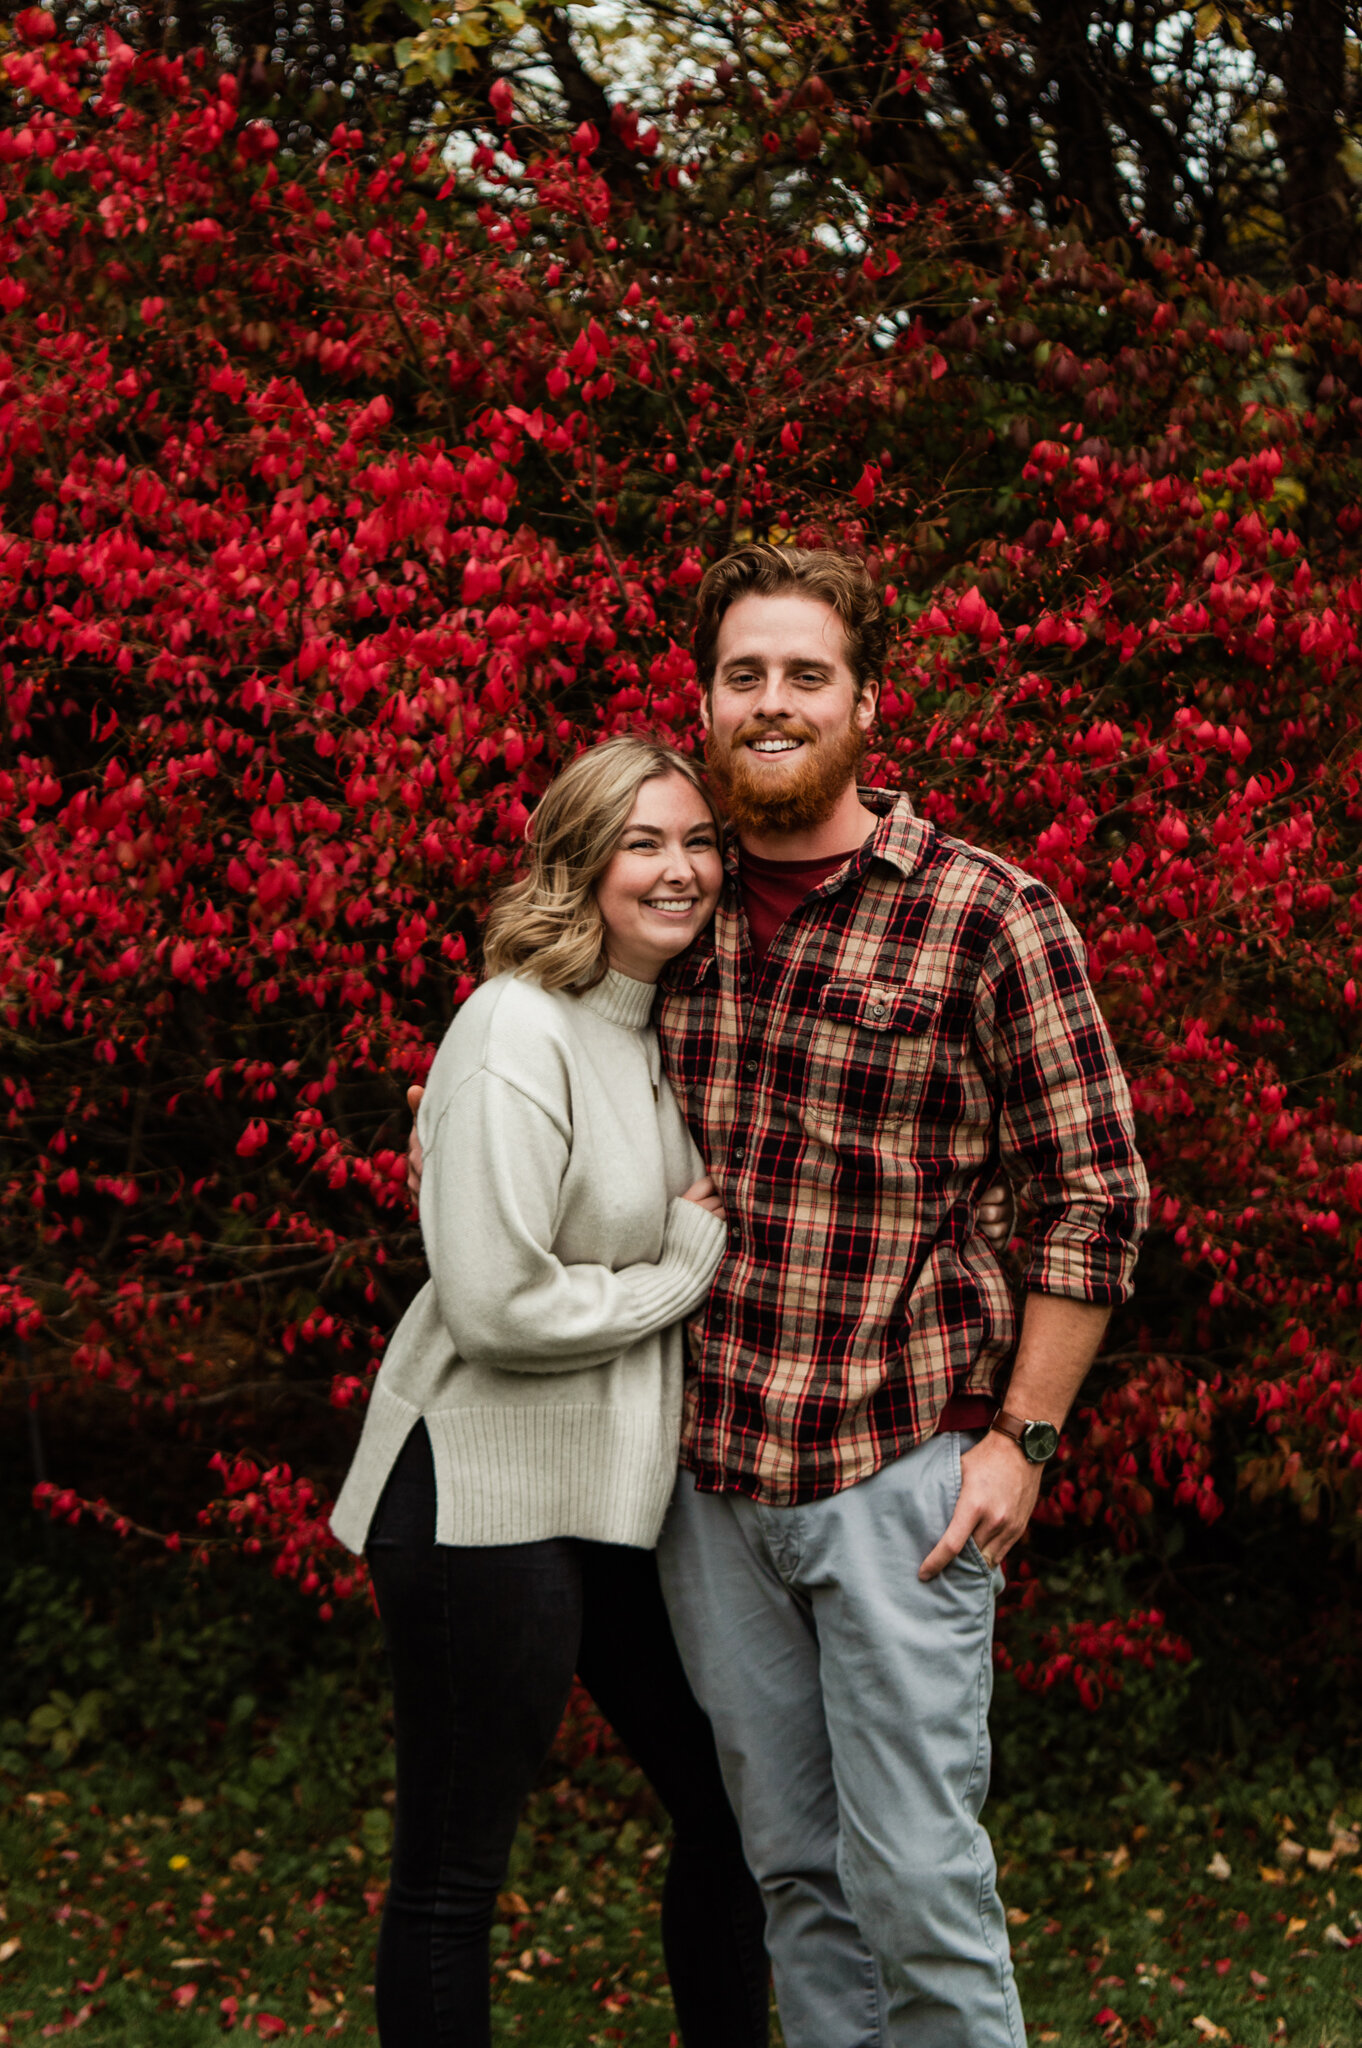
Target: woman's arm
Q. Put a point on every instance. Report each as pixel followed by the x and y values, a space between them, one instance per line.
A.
pixel 489 1202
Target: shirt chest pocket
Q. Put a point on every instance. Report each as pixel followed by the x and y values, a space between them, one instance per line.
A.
pixel 872 1045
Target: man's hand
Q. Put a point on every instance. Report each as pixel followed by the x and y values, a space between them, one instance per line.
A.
pixel 998 1213
pixel 999 1487
pixel 998 1483
pixel 415 1156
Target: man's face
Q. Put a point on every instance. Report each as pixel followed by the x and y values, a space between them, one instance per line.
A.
pixel 784 728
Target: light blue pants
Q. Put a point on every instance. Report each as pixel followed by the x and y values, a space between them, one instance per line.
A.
pixel 850 1705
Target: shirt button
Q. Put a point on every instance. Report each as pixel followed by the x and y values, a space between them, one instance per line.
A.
pixel 749 1066
pixel 877 1009
pixel 739 1154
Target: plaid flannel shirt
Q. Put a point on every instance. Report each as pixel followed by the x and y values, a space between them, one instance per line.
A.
pixel 923 1016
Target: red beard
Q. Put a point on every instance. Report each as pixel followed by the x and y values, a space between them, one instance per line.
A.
pixel 804 798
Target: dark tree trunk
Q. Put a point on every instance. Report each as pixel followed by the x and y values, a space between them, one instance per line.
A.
pixel 1083 130
pixel 1318 197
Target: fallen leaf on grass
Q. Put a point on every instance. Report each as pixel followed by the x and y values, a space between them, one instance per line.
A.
pixel 268 2024
pixel 520 1976
pixel 189 1963
pixel 69 2021
pixel 1270 1874
pixel 1336 1938
pixel 1258 1980
pixel 184 1995
pixel 1346 1842
pixel 1050 2035
pixel 1208 2029
pixel 1294 1927
pixel 1219 1867
pixel 1118 1860
pixel 511 1905
pixel 245 1862
pixel 1016 1917
pixel 1320 1859
pixel 1289 1851
pixel 10 1948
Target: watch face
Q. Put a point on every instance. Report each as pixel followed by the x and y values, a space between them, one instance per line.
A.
pixel 1040 1440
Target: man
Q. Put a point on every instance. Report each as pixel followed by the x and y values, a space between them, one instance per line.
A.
pixel 878 1018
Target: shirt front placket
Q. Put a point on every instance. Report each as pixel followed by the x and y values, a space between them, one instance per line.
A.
pixel 752 994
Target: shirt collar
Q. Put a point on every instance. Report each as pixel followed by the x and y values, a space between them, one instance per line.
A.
pixel 901 838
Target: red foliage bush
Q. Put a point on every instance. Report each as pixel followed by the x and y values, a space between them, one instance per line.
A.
pixel 340 501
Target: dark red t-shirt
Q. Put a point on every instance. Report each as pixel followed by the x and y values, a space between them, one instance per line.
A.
pixel 771 890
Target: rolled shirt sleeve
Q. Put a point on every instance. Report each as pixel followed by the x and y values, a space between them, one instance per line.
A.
pixel 1065 1123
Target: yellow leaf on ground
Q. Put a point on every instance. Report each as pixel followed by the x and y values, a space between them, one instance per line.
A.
pixel 1270 1874
pixel 1208 2029
pixel 10 1948
pixel 1218 1867
pixel 1294 1927
pixel 1016 1917
pixel 1118 1860
pixel 511 1904
pixel 1320 1859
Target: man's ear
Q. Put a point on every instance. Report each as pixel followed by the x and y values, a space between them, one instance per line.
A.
pixel 704 713
pixel 867 704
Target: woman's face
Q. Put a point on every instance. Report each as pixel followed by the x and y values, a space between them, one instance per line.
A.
pixel 663 881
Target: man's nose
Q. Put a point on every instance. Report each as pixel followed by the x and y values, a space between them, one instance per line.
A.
pixel 773 699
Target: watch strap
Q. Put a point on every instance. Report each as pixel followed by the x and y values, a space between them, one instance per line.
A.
pixel 1014 1426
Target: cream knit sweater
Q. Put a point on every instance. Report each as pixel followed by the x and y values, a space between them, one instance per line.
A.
pixel 545 1350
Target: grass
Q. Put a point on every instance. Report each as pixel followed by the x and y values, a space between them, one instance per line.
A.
pixel 139 1911
pixel 194 1841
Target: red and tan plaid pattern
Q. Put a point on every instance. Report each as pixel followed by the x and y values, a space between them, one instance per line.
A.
pixel 924 1014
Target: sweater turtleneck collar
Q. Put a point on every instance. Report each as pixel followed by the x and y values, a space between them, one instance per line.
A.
pixel 620 999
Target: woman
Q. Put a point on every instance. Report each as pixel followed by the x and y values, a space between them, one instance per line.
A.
pixel 520 1445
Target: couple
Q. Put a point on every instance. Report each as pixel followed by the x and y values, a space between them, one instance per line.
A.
pixel 861 1021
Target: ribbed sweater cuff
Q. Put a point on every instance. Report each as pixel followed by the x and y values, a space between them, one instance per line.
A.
pixel 695 1236
pixel 692 1246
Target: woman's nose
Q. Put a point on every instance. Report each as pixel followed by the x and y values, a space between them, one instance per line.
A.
pixel 680 864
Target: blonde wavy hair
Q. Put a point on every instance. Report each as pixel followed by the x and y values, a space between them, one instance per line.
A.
pixel 547 923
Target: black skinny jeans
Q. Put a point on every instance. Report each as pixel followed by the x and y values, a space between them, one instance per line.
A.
pixel 483 1644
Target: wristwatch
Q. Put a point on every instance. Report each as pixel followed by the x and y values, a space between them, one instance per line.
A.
pixel 1038 1440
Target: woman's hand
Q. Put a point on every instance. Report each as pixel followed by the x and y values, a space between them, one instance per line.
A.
pixel 998 1214
pixel 705 1195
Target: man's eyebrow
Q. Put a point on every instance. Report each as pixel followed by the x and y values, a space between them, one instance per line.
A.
pixel 795 661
